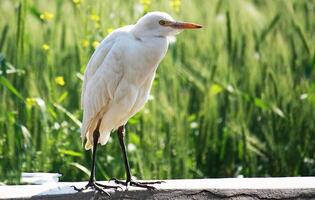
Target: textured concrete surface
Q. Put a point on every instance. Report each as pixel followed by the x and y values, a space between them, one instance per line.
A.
pixel 195 194
pixel 227 188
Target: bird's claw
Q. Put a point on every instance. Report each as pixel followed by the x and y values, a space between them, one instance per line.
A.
pixel 146 185
pixel 109 186
pixel 96 186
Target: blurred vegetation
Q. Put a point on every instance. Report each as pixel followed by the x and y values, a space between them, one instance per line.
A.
pixel 236 98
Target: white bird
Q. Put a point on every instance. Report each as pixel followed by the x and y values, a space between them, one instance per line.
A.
pixel 118 80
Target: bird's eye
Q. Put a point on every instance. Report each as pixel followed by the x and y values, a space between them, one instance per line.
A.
pixel 162 22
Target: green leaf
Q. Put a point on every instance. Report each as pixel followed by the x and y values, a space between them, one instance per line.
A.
pixel 63 97
pixel 6 83
pixel 70 153
pixel 81 167
pixel 134 138
pixel 260 103
pixel 69 114
pixel 191 118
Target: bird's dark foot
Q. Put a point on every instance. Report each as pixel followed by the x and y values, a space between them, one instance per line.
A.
pixel 146 185
pixel 97 187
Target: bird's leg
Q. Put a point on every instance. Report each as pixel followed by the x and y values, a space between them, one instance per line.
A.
pixel 121 137
pixel 92 182
pixel 96 136
pixel 129 181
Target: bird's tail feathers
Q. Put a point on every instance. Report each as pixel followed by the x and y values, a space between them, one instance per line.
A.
pixel 103 139
pixel 87 133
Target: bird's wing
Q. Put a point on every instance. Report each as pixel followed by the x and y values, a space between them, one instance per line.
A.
pixel 99 56
pixel 101 79
pixel 95 61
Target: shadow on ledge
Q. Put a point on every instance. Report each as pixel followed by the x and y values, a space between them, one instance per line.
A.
pixel 272 194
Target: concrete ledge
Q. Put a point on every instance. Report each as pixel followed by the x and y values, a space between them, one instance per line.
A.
pixel 227 188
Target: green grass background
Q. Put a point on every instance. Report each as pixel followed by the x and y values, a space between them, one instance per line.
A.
pixel 236 98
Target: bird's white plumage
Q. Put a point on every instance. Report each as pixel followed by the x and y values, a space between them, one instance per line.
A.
pixel 119 75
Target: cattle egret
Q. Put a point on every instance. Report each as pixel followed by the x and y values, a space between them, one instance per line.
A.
pixel 118 79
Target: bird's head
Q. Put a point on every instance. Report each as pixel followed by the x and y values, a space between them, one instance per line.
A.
pixel 161 24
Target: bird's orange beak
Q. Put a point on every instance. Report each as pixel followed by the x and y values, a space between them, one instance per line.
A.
pixel 185 25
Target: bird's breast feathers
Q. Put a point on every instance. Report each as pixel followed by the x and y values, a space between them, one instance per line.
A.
pixel 142 57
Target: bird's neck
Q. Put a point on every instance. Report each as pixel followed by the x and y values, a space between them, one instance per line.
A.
pixel 140 33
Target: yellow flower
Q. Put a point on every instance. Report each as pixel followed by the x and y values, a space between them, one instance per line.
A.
pixel 46 16
pixel 109 30
pixel 46 47
pixel 146 4
pixel 76 2
pixel 95 17
pixel 175 5
pixel 95 44
pixel 215 89
pixel 30 102
pixel 85 43
pixel 59 80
